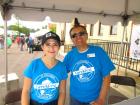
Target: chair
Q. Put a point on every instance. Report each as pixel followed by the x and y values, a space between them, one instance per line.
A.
pixel 121 80
pixel 13 97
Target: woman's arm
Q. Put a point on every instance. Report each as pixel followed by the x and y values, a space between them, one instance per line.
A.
pixel 25 98
pixel 62 93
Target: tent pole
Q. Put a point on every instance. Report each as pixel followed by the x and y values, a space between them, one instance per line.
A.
pixel 5 53
pixel 125 21
pixel 120 50
pixel 64 32
pixel 5 12
pixel 128 53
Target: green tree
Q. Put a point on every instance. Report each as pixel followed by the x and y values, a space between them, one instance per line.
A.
pixel 1 26
pixel 20 29
pixel 52 27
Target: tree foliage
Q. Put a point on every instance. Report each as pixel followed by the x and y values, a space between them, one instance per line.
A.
pixel 20 29
pixel 1 26
pixel 52 27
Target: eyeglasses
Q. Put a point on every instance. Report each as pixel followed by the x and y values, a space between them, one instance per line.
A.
pixel 78 34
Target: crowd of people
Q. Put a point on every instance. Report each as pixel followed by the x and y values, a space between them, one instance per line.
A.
pixel 24 43
pixel 9 41
pixel 89 67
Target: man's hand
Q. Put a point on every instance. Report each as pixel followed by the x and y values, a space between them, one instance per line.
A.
pixel 98 102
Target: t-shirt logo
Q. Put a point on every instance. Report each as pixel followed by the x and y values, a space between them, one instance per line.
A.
pixel 83 71
pixel 45 86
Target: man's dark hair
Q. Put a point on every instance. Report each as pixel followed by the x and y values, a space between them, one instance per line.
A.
pixel 76 25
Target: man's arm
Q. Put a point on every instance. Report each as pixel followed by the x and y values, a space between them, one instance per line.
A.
pixel 104 91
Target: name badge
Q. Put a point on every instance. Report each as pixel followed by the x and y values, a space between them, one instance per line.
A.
pixel 91 55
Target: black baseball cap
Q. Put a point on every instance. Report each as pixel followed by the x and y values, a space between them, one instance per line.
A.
pixel 50 35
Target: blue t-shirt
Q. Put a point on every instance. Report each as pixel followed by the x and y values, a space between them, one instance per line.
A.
pixel 45 81
pixel 87 72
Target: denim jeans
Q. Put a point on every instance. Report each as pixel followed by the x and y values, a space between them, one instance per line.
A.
pixel 76 102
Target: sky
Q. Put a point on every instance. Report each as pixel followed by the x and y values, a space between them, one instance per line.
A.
pixel 28 24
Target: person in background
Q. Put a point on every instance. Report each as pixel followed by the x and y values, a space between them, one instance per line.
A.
pixel 1 42
pixel 45 78
pixel 27 41
pixel 18 40
pixel 9 42
pixel 90 69
pixel 30 44
pixel 22 41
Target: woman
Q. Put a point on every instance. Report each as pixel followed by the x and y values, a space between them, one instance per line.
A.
pixel 45 77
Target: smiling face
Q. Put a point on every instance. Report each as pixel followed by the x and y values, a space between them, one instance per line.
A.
pixel 50 48
pixel 79 36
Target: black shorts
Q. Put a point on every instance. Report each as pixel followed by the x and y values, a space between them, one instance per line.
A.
pixel 32 102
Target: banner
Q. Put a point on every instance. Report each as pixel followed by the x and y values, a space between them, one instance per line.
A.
pixel 135 43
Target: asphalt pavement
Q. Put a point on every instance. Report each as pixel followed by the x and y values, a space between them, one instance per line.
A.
pixel 17 61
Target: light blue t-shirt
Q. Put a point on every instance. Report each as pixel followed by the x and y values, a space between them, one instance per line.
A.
pixel 45 82
pixel 87 72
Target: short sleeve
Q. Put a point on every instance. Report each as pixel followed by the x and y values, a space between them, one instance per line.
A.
pixel 64 74
pixel 106 64
pixel 66 62
pixel 29 70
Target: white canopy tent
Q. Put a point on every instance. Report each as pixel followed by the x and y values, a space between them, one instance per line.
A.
pixel 87 11
pixel 40 32
pixel 1 31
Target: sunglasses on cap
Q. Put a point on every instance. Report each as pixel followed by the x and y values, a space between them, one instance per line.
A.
pixel 78 34
pixel 49 34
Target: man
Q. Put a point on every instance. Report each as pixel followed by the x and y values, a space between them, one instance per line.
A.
pixel 90 69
